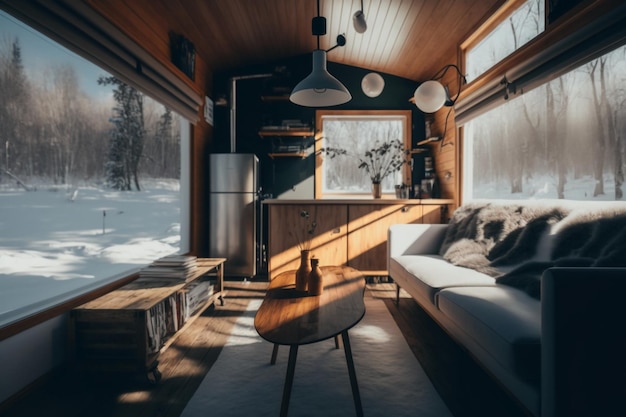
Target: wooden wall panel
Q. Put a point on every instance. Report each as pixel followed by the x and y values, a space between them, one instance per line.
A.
pixel 446 152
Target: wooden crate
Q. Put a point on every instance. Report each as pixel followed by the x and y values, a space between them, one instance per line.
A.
pixel 117 332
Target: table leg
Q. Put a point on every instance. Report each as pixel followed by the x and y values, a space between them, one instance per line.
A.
pixel 353 382
pixel 337 342
pixel 274 354
pixel 291 369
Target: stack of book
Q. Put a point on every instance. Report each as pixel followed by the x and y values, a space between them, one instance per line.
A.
pixel 194 296
pixel 172 267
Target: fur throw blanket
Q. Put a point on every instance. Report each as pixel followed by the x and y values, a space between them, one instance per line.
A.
pixel 487 237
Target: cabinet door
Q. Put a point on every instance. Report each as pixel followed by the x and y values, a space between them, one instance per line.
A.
pixel 367 233
pixel 286 230
pixel 431 214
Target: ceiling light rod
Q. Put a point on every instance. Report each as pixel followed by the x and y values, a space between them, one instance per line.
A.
pixel 318 25
pixel 341 41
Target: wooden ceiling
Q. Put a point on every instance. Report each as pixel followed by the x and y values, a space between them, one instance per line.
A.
pixel 407 38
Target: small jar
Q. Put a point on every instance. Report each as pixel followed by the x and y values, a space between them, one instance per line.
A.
pixel 316 282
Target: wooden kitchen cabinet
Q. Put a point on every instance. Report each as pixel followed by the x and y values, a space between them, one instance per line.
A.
pixel 286 230
pixel 349 232
pixel 367 233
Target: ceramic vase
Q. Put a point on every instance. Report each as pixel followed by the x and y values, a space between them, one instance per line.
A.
pixel 376 190
pixel 302 274
pixel 316 281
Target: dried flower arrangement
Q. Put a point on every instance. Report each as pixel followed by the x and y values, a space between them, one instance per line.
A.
pixel 305 235
pixel 380 161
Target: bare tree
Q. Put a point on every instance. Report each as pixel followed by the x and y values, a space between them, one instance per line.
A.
pixel 557 104
pixel 14 90
pixel 521 162
pixel 600 105
pixel 64 107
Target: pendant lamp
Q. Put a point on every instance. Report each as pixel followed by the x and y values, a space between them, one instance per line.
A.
pixel 320 88
pixel 358 20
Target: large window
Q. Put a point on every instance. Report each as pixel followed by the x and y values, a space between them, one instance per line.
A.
pixel 363 144
pixel 90 175
pixel 520 23
pixel 564 139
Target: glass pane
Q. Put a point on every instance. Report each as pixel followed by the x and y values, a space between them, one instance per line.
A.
pixel 353 171
pixel 89 175
pixel 561 140
pixel 523 25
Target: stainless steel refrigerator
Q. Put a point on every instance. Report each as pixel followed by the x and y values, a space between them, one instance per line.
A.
pixel 234 211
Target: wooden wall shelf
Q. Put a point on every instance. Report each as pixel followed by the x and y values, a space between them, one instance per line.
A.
pixel 287 155
pixel 290 132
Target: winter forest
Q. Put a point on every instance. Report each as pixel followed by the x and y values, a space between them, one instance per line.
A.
pixel 54 132
pixel 563 139
pixel 90 175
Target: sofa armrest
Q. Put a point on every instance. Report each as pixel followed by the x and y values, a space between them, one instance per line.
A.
pixel 413 239
pixel 583 342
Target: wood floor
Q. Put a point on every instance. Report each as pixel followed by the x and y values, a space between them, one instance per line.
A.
pixel 462 384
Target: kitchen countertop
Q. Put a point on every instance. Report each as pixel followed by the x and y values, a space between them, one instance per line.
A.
pixel 429 201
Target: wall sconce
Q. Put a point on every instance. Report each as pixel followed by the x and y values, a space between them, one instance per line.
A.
pixel 431 95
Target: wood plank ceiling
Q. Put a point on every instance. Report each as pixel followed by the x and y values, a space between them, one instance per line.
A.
pixel 407 38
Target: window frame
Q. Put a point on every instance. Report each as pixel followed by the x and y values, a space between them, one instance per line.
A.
pixel 487 27
pixel 319 157
pixel 586 31
pixel 93 50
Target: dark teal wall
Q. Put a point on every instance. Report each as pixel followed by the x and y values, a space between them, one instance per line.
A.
pixel 281 174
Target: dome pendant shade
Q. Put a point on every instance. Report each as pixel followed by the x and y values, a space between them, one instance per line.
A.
pixel 358 20
pixel 430 96
pixel 319 89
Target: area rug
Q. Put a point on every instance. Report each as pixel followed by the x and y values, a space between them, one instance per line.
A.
pixel 391 381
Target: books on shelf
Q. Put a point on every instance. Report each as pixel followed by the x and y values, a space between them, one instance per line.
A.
pixel 168 316
pixel 287 125
pixel 172 267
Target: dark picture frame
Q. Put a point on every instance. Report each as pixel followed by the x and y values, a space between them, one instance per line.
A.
pixel 183 54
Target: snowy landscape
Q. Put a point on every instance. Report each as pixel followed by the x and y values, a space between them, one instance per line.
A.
pixel 545 187
pixel 56 242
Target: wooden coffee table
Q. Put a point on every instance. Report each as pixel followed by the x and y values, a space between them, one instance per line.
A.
pixel 289 317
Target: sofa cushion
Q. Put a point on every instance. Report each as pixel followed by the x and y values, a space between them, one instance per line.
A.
pixel 504 321
pixel 434 273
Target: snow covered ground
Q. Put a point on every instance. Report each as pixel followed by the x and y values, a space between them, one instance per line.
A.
pixel 57 242
pixel 544 187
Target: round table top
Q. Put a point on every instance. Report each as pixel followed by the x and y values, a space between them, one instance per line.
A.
pixel 290 317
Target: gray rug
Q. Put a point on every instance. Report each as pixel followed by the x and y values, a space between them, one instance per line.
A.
pixel 391 381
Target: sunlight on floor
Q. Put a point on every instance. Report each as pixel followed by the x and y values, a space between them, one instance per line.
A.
pixel 243 332
pixel 373 334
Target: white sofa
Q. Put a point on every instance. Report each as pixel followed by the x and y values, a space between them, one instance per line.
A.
pixel 510 296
